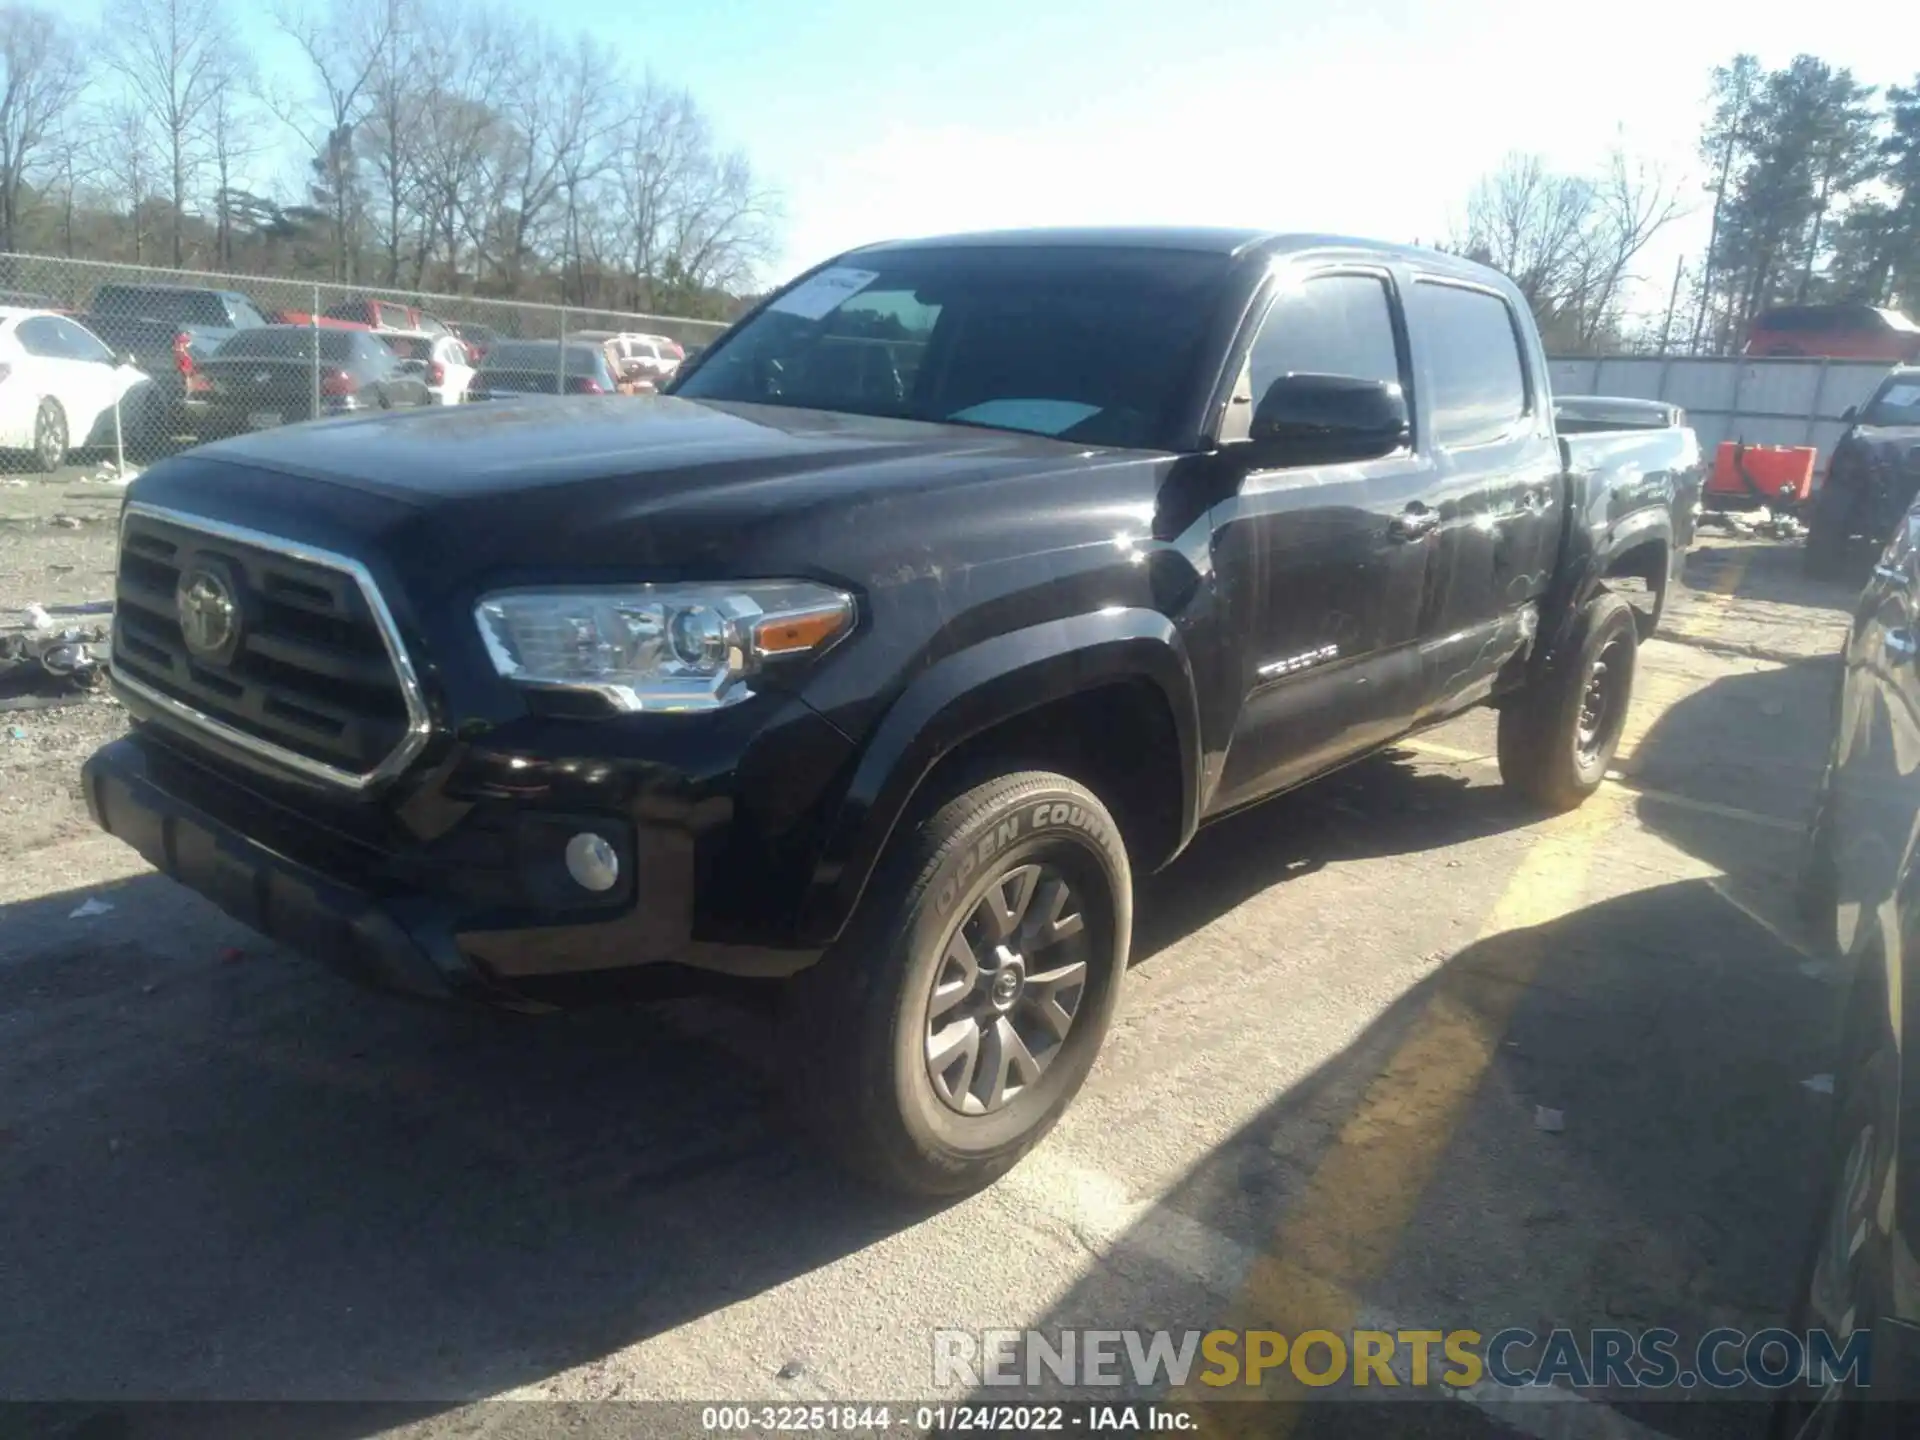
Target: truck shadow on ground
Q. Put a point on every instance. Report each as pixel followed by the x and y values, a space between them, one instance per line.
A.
pixel 1770 573
pixel 1754 744
pixel 1670 1031
pixel 225 1174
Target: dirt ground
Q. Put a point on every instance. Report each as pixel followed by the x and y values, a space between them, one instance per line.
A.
pixel 56 548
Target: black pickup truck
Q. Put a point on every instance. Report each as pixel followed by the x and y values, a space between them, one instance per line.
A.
pixel 956 584
pixel 1871 480
pixel 169 330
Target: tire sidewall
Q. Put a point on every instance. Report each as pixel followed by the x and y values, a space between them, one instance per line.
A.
pixel 48 411
pixel 1609 619
pixel 1063 826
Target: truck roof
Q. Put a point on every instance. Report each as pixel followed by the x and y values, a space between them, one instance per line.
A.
pixel 1202 239
pixel 169 289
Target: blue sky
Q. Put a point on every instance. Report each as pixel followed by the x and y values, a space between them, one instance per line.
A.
pixel 881 118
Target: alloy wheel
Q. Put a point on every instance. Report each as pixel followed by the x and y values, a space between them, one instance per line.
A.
pixel 1008 984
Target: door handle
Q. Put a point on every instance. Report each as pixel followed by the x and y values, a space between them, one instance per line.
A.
pixel 1900 644
pixel 1413 522
pixel 1892 574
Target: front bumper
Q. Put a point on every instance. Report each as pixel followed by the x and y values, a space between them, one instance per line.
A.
pixel 406 949
pixel 482 911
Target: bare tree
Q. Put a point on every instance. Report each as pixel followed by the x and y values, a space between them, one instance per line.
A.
pixel 1634 203
pixel 232 139
pixel 1531 224
pixel 175 56
pixel 665 132
pixel 45 74
pixel 466 67
pixel 558 110
pixel 342 49
pixel 693 218
pixel 391 134
pixel 724 229
pixel 129 160
pixel 1568 242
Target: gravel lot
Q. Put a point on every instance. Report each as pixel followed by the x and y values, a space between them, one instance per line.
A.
pixel 56 548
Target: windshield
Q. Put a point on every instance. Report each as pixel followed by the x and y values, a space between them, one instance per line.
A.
pixel 540 355
pixel 1086 343
pixel 284 342
pixel 1898 404
pixel 138 302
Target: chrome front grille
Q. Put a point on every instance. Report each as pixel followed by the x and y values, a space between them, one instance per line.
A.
pixel 317 679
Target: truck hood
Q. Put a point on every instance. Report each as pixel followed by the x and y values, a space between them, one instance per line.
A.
pixel 1878 437
pixel 652 448
pixel 628 485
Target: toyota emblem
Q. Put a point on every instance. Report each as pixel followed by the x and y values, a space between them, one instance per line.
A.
pixel 209 613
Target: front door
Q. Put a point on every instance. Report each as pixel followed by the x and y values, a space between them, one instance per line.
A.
pixel 1321 569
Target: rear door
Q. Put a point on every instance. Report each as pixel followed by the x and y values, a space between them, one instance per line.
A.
pixel 1322 567
pixel 1497 487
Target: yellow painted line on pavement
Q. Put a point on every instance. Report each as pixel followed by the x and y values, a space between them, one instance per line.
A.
pixel 1647 792
pixel 1361 1198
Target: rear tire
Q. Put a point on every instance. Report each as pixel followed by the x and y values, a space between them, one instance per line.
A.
pixel 1829 532
pixel 1557 737
pixel 49 437
pixel 957 1017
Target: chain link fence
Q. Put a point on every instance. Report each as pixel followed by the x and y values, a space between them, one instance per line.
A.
pixel 106 365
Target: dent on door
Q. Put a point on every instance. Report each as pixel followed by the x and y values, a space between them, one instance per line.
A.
pixel 1321 573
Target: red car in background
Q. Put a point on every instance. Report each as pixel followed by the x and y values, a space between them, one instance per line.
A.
pixel 323 322
pixel 377 314
pixel 1838 332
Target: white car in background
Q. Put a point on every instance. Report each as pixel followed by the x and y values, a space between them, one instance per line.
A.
pixel 441 358
pixel 59 386
pixel 653 358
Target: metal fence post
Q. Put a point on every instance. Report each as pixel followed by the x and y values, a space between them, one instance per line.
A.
pixel 313 325
pixel 1814 416
pixel 560 365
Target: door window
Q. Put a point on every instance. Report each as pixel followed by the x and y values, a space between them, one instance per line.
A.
pixel 40 335
pixel 1330 325
pixel 1479 377
pixel 82 344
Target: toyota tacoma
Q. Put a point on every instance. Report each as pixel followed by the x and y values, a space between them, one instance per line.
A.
pixel 957 584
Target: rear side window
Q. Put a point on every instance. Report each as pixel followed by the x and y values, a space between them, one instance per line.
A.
pixel 40 336
pixel 1479 383
pixel 286 342
pixel 137 302
pixel 1331 325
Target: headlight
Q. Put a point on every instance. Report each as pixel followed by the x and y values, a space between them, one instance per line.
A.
pixel 660 647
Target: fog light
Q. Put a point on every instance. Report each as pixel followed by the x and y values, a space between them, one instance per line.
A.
pixel 591 862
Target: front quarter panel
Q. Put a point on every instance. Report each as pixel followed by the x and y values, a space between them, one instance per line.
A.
pixel 973 689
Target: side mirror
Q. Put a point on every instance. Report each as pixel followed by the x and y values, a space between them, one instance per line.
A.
pixel 1304 419
pixel 1850 414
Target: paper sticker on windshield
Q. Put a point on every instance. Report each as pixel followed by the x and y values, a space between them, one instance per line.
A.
pixel 825 292
pixel 1901 396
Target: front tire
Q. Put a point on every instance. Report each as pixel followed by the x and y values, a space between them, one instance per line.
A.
pixel 1557 737
pixel 953 1023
